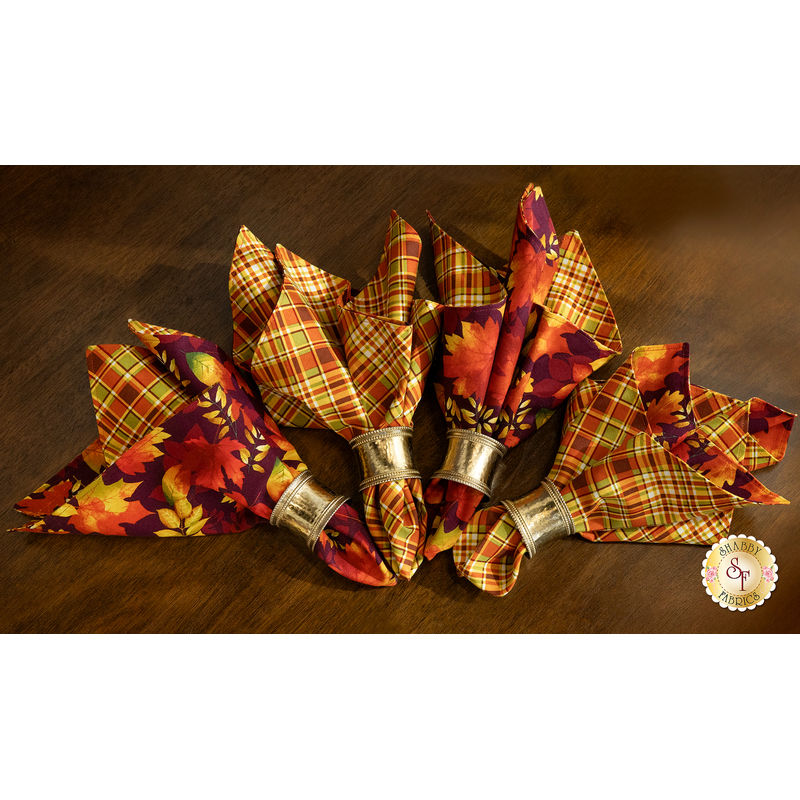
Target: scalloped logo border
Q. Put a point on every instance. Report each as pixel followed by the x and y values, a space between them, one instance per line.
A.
pixel 724 555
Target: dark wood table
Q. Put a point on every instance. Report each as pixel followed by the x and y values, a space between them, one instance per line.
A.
pixel 705 255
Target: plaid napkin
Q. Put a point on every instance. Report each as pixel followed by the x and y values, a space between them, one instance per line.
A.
pixel 184 449
pixel 515 342
pixel 645 457
pixel 324 357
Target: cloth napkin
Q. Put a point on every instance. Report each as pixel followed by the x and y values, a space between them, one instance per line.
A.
pixel 356 363
pixel 185 449
pixel 515 342
pixel 646 457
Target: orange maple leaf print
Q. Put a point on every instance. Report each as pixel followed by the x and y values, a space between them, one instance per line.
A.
pixel 721 470
pixel 206 461
pixel 652 363
pixel 135 457
pixel 53 497
pixel 669 409
pixel 103 507
pixel 469 357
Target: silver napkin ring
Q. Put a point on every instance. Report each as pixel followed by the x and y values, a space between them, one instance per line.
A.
pixel 471 459
pixel 542 517
pixel 384 455
pixel 305 508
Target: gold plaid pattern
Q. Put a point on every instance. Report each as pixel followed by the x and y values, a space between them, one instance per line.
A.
pixel 636 470
pixel 753 431
pixel 706 529
pixel 494 567
pixel 461 278
pixel 323 292
pixel 328 359
pixel 425 324
pixel 254 286
pixel 642 484
pixel 580 398
pixel 515 342
pixel 131 395
pixel 721 419
pixel 599 424
pixel 299 358
pixel 577 295
pixel 386 511
pixel 390 291
pixel 369 341
pixel 602 424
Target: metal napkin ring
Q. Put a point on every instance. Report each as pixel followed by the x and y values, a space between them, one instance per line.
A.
pixel 384 455
pixel 542 517
pixel 471 459
pixel 305 508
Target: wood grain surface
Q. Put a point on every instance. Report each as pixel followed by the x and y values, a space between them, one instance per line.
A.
pixel 705 255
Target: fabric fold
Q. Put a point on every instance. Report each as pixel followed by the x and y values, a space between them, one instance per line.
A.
pixel 515 343
pixel 355 363
pixel 641 459
pixel 208 461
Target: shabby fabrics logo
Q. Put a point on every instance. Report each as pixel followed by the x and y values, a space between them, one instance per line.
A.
pixel 739 572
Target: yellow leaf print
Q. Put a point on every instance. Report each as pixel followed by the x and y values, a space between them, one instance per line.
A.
pixel 207 369
pixel 279 479
pixel 667 410
pixel 169 518
pixel 174 488
pixel 105 508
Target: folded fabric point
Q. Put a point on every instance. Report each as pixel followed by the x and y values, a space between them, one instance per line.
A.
pixel 647 457
pixel 186 449
pixel 515 342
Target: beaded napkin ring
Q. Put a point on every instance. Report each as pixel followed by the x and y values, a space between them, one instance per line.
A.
pixel 384 455
pixel 542 518
pixel 471 459
pixel 305 508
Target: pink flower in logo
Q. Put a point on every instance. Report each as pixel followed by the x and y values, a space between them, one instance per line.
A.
pixel 768 573
pixel 711 574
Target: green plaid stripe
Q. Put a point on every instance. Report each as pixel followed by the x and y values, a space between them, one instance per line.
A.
pixel 254 284
pixel 755 457
pixel 426 322
pixel 579 400
pixel 494 560
pixel 642 484
pixel 131 393
pixel 395 515
pixel 698 530
pixel 607 421
pixel 577 295
pixel 494 565
pixel 390 291
pixel 303 360
pixel 722 420
pixel 332 363
pixel 462 279
pixel 326 359
pixel 289 410
pixel 490 551
pixel 620 483
pixel 371 341
pixel 322 292
pixel 726 420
